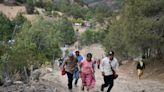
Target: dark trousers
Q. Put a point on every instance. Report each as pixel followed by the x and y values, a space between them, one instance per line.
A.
pixel 76 80
pixel 98 66
pixel 108 81
pixel 70 79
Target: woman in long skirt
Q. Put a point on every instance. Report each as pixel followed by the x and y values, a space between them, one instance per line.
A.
pixel 86 68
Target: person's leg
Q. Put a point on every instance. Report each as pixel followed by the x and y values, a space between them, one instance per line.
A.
pixel 83 78
pixel 90 81
pixel 76 81
pixel 76 77
pixel 106 83
pixel 139 72
pixel 110 83
pixel 70 79
pixel 98 66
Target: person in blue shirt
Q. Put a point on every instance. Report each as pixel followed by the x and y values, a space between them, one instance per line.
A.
pixel 76 71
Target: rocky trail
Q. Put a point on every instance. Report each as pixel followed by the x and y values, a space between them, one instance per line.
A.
pixel 123 84
pixel 55 82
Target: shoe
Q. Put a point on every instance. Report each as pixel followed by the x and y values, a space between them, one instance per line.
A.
pixel 82 88
pixel 102 89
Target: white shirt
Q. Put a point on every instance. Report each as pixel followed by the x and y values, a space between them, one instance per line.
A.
pixel 106 67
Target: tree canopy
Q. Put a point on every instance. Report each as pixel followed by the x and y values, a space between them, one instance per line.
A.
pixel 139 29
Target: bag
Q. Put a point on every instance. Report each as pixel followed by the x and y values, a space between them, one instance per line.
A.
pixel 115 76
pixel 63 72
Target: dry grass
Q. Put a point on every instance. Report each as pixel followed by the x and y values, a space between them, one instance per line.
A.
pixel 11 11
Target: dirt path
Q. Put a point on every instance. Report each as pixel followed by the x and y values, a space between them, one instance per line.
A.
pixel 127 81
pixel 11 11
pixel 123 84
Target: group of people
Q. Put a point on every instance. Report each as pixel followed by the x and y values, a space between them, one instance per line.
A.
pixel 76 66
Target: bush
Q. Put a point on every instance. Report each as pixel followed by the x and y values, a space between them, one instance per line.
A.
pixel 90 37
pixel 19 20
pixel 35 45
pixel 65 33
pixel 20 1
pixel 30 6
pixel 6 28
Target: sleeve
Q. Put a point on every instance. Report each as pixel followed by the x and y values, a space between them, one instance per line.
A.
pixel 80 65
pixel 102 66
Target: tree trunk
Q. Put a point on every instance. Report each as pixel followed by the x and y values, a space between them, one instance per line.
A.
pixel 26 75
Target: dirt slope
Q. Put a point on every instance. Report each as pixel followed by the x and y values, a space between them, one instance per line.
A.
pixel 124 83
pixel 11 11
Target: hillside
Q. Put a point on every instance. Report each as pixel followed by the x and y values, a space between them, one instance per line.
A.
pixel 12 11
pixel 138 31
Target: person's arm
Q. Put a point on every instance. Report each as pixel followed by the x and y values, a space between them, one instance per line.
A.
pixel 65 62
pixel 79 66
pixel 102 67
pixel 93 68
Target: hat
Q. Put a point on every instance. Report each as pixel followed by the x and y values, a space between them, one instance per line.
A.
pixel 70 54
pixel 110 53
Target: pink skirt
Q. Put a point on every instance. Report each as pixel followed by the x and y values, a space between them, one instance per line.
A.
pixel 88 80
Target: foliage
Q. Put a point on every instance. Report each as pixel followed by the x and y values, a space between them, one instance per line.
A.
pixel 79 20
pixel 90 37
pixel 29 6
pixel 48 5
pixel 18 22
pixel 65 32
pixel 77 11
pixel 39 3
pixel 61 5
pixel 139 29
pixel 99 12
pixel 21 1
pixel 35 45
pixel 6 28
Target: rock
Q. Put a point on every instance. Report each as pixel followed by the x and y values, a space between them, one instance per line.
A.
pixel 8 83
pixel 124 62
pixel 35 75
pixel 18 82
pixel 49 70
